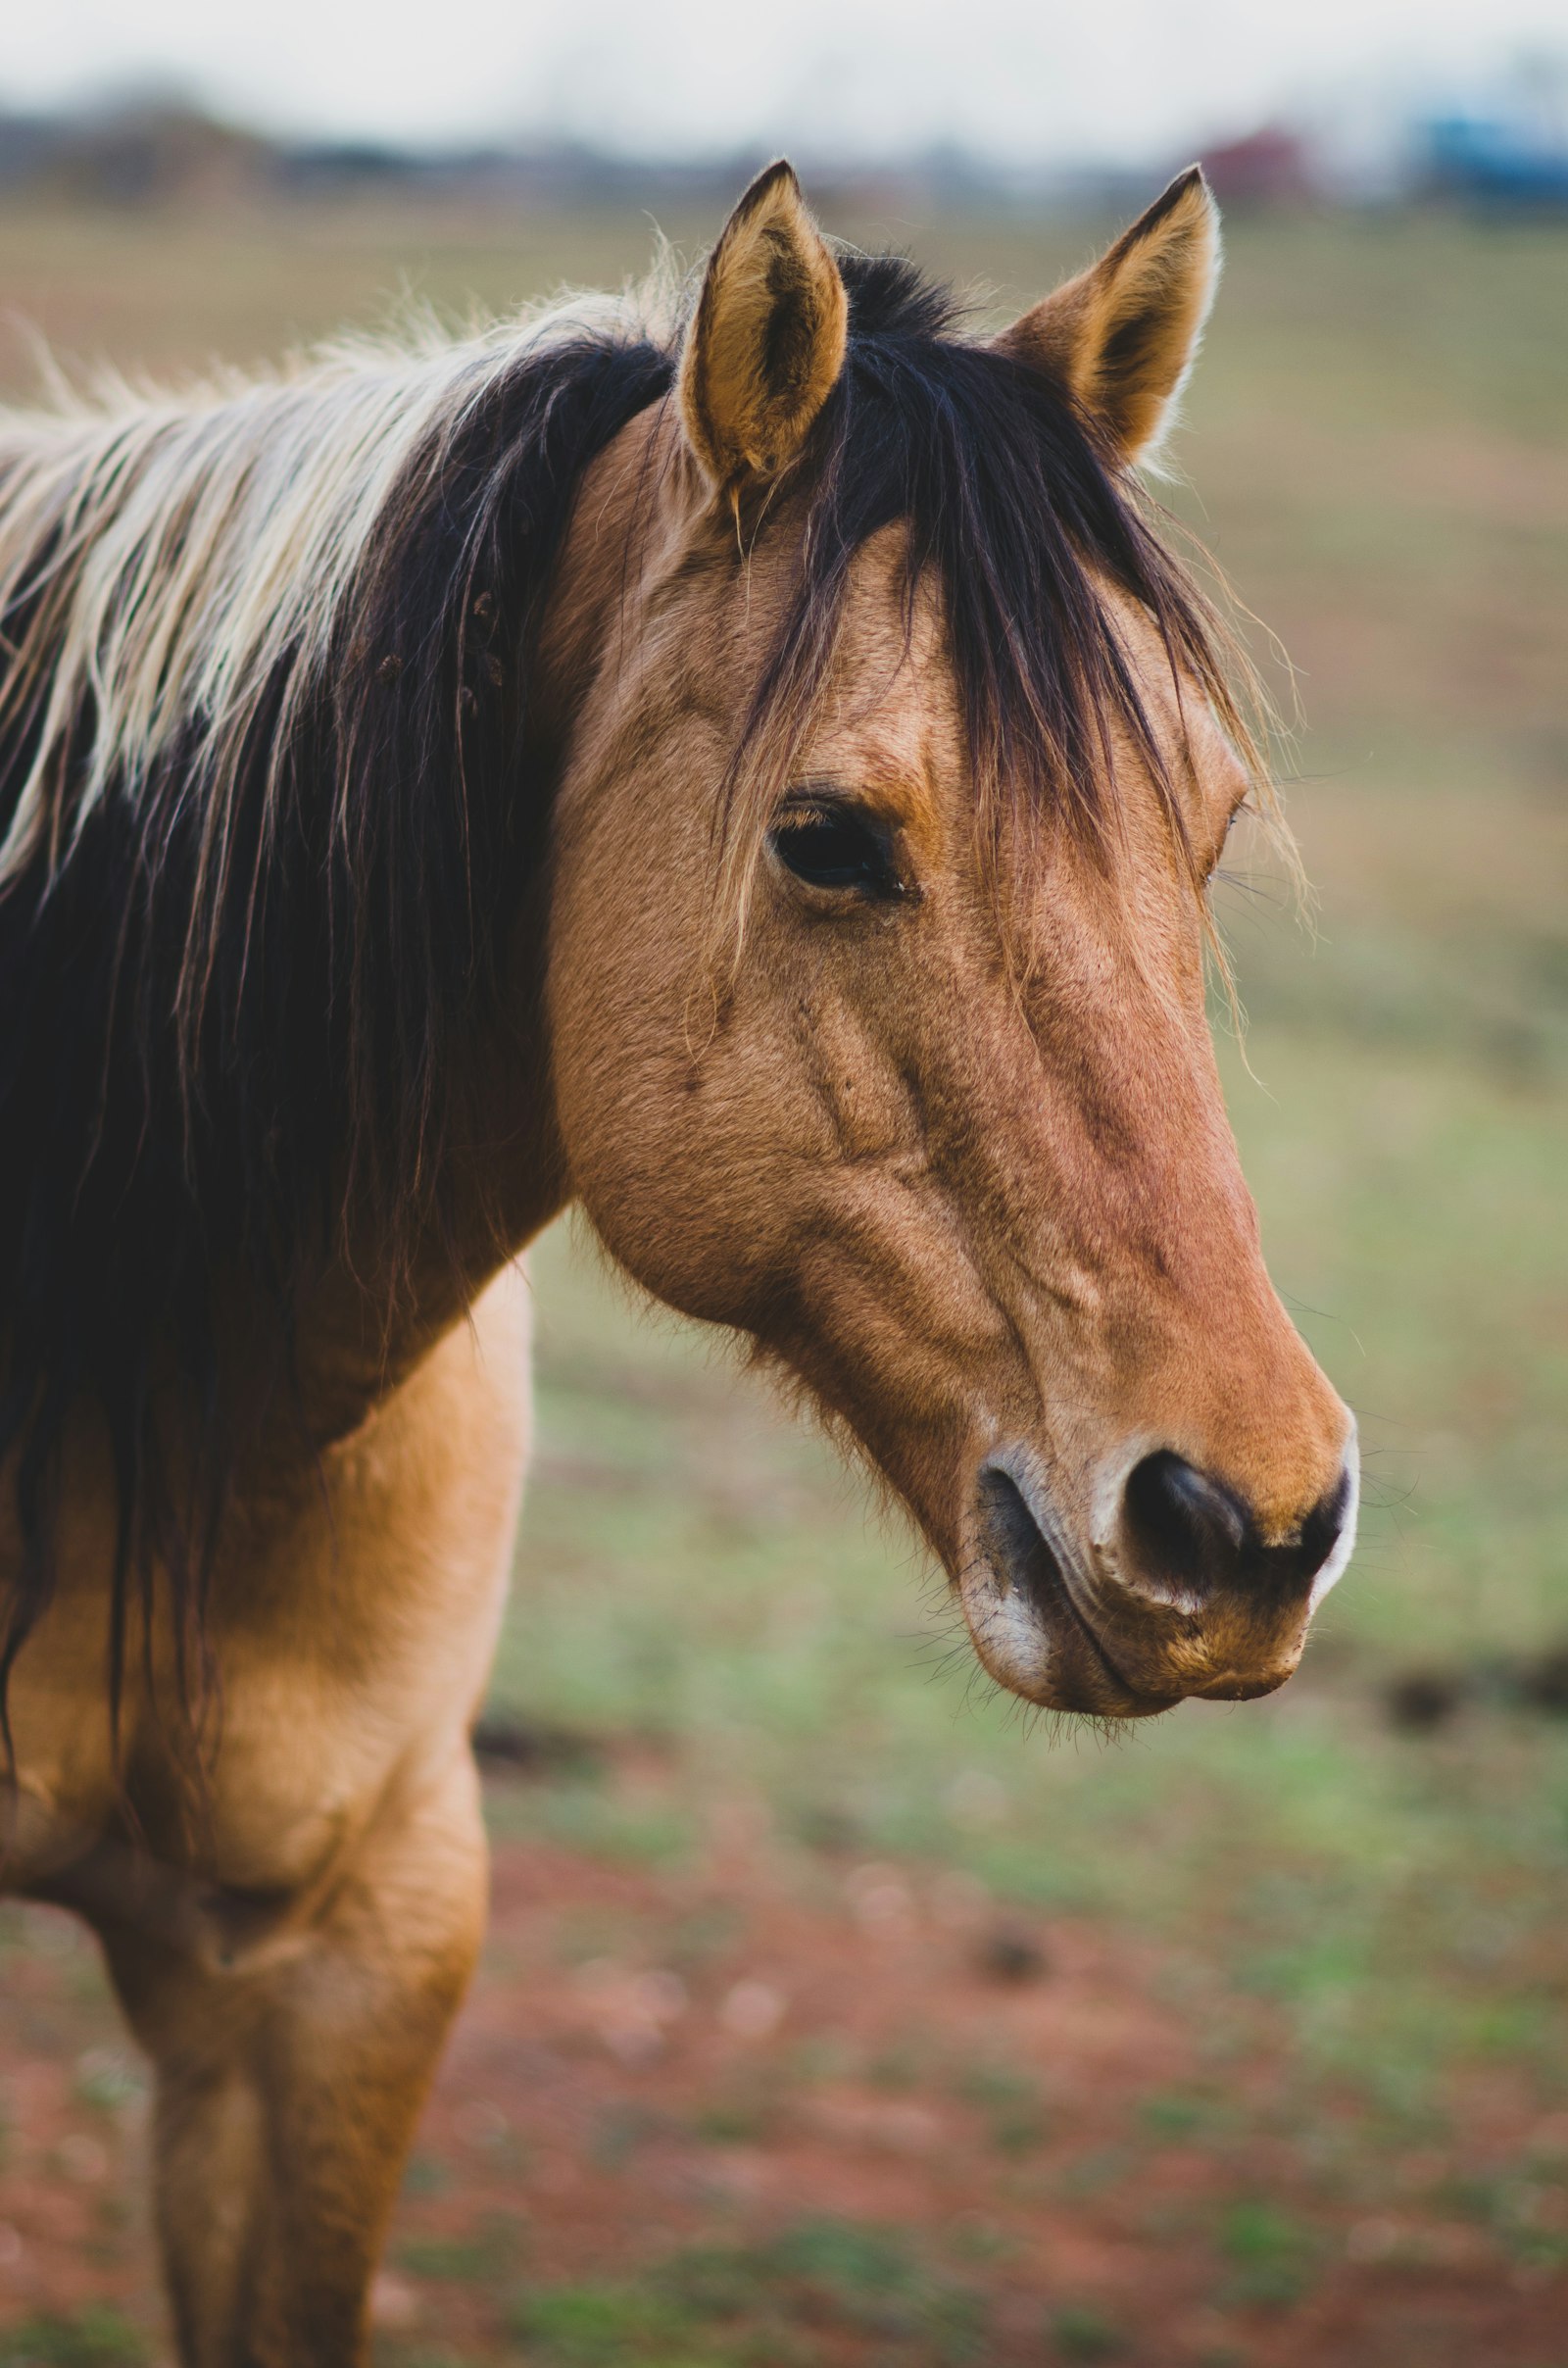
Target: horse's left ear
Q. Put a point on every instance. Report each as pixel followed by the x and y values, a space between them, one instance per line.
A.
pixel 1121 337
pixel 766 342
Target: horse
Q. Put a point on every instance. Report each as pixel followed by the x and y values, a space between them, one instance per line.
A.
pixel 744 760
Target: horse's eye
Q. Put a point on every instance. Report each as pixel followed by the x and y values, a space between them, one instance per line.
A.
pixel 836 846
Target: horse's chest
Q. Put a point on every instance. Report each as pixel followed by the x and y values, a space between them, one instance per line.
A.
pixel 365 1639
pixel 352 1633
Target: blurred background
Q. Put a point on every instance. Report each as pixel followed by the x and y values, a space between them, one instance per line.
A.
pixel 833 2011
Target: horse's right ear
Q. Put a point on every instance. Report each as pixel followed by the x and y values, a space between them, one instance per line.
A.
pixel 766 342
pixel 1122 335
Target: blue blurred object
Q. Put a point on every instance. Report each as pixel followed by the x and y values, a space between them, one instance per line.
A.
pixel 1496 160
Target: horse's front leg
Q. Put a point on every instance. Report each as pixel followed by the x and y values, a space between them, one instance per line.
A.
pixel 290 2078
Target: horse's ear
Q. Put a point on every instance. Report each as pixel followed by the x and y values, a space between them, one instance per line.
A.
pixel 766 342
pixel 1121 337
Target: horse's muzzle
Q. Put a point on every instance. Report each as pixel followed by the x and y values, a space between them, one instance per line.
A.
pixel 1183 1594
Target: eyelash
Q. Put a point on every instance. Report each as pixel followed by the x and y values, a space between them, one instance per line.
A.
pixel 1215 870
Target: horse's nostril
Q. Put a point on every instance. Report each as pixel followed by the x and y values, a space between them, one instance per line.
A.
pixel 1186 1534
pixel 1331 1520
pixel 1184 1531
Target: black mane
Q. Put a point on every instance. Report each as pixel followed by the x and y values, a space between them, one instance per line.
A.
pixel 229 998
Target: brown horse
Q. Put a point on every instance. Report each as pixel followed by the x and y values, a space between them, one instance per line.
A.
pixel 752 771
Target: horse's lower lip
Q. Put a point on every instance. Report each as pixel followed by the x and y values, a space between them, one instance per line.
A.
pixel 1065 1615
pixel 1026 1624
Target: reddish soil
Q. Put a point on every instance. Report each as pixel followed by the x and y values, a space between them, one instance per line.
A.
pixel 1065 2127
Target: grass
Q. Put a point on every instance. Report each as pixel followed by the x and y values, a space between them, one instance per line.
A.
pixel 1081 2334
pixel 1269 2253
pixel 774 2300
pixel 91 2338
pixel 1010 2103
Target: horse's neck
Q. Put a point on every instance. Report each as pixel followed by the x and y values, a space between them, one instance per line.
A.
pixel 506 1171
pixel 361 1328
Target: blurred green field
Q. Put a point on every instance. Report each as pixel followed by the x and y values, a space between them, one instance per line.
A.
pixel 1374 452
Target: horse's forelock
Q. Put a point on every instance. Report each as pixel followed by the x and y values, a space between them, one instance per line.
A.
pixel 1032 540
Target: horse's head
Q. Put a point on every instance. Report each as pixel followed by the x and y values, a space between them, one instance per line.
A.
pixel 876 968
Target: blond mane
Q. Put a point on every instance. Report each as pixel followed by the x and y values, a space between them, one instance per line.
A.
pixel 170 550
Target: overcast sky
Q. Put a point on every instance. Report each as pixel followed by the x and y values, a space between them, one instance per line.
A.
pixel 1024 78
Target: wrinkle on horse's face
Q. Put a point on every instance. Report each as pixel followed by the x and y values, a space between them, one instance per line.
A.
pixel 957 1157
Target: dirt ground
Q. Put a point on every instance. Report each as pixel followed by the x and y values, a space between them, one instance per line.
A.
pixel 787 2107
